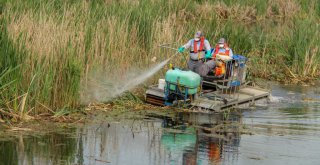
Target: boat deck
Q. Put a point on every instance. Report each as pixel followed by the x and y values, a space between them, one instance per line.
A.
pixel 215 101
pixel 218 101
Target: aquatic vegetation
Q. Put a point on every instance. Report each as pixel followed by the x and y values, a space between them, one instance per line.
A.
pixel 56 46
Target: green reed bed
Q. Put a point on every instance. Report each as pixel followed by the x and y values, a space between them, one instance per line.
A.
pixel 48 48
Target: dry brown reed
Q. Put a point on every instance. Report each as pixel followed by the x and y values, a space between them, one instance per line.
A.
pixel 245 14
pixel 64 45
pixel 282 9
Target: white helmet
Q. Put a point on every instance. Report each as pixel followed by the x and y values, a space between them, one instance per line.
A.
pixel 198 35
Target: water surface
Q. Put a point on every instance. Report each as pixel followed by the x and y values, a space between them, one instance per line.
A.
pixel 285 131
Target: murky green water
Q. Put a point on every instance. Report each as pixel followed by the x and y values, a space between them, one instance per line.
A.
pixel 285 131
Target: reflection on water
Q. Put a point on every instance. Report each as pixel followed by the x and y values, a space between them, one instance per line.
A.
pixel 185 138
pixel 286 132
pixel 196 139
pixel 55 148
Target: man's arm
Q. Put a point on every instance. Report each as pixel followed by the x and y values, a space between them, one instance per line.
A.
pixel 185 46
pixel 231 53
pixel 208 49
pixel 188 44
pixel 207 45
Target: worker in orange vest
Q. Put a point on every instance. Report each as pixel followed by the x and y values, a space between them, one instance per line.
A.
pixel 199 50
pixel 222 48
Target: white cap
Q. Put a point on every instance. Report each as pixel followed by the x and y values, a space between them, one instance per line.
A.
pixel 222 41
pixel 197 35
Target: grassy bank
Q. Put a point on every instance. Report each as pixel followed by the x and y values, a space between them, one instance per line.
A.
pixel 48 48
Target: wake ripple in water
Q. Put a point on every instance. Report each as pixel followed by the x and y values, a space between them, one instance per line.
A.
pixel 277 99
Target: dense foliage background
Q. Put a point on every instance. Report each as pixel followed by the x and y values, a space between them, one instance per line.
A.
pixel 49 47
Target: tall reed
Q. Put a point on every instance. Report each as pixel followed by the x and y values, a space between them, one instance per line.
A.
pixel 55 44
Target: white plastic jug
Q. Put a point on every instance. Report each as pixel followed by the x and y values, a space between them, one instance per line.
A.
pixel 161 84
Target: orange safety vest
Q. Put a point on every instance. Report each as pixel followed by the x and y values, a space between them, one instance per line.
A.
pixel 220 70
pixel 195 47
pixel 216 51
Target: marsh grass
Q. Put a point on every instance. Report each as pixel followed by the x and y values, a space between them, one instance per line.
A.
pixel 55 44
